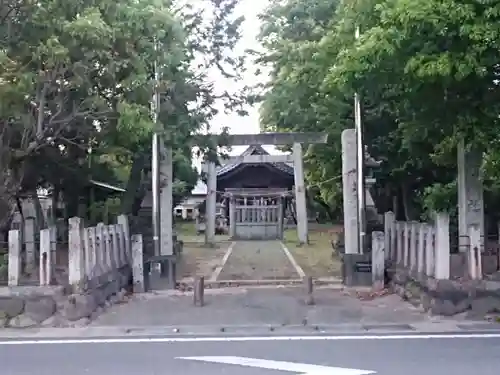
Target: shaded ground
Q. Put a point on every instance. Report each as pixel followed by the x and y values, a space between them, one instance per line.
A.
pixel 258 260
pixel 315 258
pixel 260 306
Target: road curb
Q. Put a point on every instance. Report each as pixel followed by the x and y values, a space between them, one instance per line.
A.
pixel 89 332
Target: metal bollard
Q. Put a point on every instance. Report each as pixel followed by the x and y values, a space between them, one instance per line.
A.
pixel 199 291
pixel 308 286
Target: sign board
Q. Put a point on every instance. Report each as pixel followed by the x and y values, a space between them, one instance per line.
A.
pixel 363 267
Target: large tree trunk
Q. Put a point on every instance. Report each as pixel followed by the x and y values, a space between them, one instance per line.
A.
pixel 133 184
pixel 408 206
pixel 8 203
pixel 40 215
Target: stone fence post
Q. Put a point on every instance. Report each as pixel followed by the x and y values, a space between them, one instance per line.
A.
pixel 378 260
pixel 123 220
pixel 389 235
pixel 430 251
pixel 442 249
pixel 414 229
pixel 399 243
pixel 138 264
pixel 46 262
pixel 76 266
pixel 406 244
pixel 474 261
pixel 14 267
pixel 422 230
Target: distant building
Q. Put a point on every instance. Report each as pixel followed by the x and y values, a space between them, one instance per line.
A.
pixel 188 209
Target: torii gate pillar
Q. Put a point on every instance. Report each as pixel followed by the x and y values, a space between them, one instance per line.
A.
pixel 300 194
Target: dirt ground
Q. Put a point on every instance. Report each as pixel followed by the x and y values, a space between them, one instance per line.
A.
pixel 200 260
pixel 317 259
pixel 258 260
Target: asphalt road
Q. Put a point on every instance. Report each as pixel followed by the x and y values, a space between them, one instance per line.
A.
pixel 393 356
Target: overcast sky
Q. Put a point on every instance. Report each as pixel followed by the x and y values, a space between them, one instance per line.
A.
pixel 250 9
pixel 250 28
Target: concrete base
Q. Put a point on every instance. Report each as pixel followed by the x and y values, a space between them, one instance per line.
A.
pixel 356 270
pixel 167 267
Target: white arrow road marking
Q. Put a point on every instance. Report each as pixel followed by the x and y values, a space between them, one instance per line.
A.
pixel 300 368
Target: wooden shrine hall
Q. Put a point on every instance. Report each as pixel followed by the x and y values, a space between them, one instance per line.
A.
pixel 260 189
pixel 256 196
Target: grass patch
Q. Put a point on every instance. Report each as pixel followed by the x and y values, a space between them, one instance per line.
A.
pixel 186 228
pixel 315 258
pixel 186 231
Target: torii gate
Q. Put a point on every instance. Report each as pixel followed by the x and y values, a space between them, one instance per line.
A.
pixel 277 139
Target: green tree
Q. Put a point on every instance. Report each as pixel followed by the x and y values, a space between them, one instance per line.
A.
pixel 426 72
pixel 77 76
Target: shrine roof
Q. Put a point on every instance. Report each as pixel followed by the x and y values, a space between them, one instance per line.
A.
pixel 254 150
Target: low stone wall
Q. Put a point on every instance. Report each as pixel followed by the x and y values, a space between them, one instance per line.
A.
pixel 447 297
pixel 57 306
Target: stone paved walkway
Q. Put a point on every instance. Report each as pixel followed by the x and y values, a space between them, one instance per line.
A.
pixel 258 260
pixel 279 306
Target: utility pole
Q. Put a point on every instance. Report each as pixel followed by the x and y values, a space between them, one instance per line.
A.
pixel 360 153
pixel 155 161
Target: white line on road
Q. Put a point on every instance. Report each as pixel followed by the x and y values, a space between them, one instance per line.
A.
pixel 292 260
pixel 215 275
pixel 302 368
pixel 132 340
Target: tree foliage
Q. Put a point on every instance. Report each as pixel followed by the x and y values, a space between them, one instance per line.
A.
pixel 426 71
pixel 76 80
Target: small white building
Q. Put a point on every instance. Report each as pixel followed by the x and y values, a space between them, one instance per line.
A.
pixel 187 210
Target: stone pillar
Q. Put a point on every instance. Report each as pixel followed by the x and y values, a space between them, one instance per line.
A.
pixel 442 247
pixel 399 243
pixel 14 267
pixel 300 194
pixel 211 204
pixel 349 181
pixel 46 263
pixel 281 217
pixel 76 262
pixel 406 244
pixel 470 194
pixel 166 206
pixel 232 217
pixel 413 246
pixel 123 221
pixel 430 251
pixel 474 253
pixel 86 253
pixel 378 260
pixel 138 264
pixel 389 235
pixel 421 249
